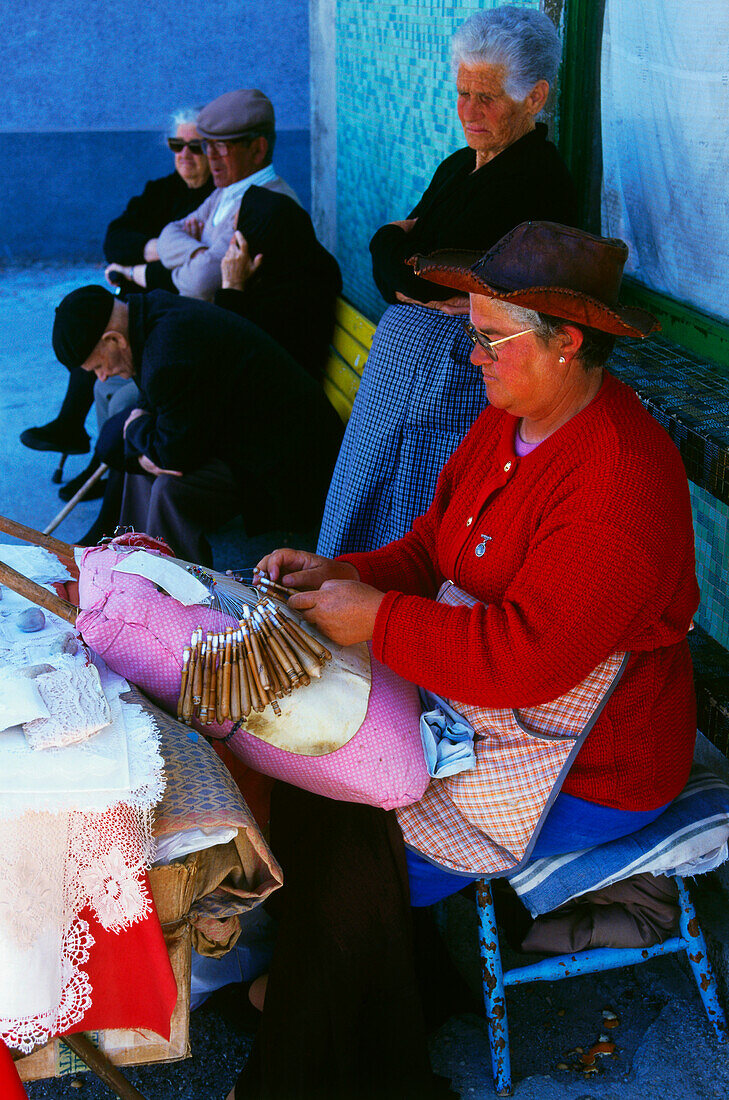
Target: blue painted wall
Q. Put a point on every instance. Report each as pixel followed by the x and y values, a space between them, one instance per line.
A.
pixel 88 89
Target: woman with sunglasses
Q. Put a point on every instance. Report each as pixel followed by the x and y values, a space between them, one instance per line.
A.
pixel 559 543
pixel 131 239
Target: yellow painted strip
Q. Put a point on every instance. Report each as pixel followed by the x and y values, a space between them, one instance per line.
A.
pixel 354 322
pixel 351 350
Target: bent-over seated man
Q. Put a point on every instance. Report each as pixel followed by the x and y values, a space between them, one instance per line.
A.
pixel 227 422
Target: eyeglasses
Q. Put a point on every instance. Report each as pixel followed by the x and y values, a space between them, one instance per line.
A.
pixel 177 145
pixel 479 340
pixel 222 148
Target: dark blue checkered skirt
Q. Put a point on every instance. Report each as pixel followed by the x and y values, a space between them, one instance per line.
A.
pixel 418 397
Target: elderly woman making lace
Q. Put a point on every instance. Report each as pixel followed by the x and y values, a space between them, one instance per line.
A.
pixel 565 513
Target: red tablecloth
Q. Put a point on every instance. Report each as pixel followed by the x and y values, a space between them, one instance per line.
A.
pixel 132 986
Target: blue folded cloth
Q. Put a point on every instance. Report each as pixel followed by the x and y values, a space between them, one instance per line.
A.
pixel 689 838
pixel 446 736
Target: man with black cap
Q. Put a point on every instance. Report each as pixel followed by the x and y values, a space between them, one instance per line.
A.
pixel 238 132
pixel 227 422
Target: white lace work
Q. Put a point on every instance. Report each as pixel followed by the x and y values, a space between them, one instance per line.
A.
pixel 75 832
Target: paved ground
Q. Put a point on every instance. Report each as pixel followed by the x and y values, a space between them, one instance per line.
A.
pixel 664 1048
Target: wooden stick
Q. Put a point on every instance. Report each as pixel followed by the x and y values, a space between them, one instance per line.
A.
pixel 225 673
pixel 316 647
pixel 183 682
pixel 205 693
pixel 235 711
pixel 187 703
pixel 258 696
pixel 197 683
pixel 102 1067
pixel 37 594
pixel 263 679
pixel 243 679
pixel 304 660
pixel 37 538
pixel 98 473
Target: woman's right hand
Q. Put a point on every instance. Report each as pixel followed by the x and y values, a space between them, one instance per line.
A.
pixel 300 569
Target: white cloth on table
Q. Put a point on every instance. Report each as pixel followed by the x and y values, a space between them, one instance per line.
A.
pixel 75 831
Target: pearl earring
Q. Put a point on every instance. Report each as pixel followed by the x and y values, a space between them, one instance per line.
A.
pixel 562 359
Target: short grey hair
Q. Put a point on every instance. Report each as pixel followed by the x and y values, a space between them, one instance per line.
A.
pixel 596 345
pixel 185 116
pixel 523 40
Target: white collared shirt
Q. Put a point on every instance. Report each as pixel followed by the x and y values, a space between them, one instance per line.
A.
pixel 234 192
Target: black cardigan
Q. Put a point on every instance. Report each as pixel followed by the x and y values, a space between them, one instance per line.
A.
pixel 293 294
pixel 468 209
pixel 162 201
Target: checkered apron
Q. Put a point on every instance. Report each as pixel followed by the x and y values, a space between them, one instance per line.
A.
pixel 486 821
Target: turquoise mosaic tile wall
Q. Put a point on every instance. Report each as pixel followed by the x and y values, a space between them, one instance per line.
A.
pixel 711 526
pixel 396 119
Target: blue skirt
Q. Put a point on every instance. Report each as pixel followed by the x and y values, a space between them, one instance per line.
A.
pixel 571 825
pixel 418 397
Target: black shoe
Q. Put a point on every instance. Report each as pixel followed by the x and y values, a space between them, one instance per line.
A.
pixel 56 436
pixel 71 487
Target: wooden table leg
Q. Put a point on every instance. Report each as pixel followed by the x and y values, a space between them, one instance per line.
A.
pixel 101 1066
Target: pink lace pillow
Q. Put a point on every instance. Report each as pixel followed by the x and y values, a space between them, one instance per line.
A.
pixel 140 632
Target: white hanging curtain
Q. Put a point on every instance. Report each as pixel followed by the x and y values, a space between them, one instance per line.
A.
pixel 665 136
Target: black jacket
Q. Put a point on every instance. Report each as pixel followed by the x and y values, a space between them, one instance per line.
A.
pixel 162 201
pixel 293 294
pixel 215 386
pixel 468 209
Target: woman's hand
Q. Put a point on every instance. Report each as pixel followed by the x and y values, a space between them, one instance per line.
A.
pixel 150 250
pixel 237 266
pixel 344 610
pixel 299 569
pixel 456 306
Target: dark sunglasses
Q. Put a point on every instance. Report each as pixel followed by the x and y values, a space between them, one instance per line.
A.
pixel 177 145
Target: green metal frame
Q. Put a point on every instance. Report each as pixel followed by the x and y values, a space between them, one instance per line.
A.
pixel 580 145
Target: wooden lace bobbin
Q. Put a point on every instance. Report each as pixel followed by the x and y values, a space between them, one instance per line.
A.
pixel 243 678
pixel 306 640
pixel 213 696
pixel 288 669
pixel 207 674
pixel 219 679
pixel 258 696
pixel 304 661
pixel 263 681
pixel 197 683
pixel 183 682
pixel 235 709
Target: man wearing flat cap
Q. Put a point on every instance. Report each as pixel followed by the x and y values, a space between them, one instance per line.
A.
pixel 238 132
pixel 227 422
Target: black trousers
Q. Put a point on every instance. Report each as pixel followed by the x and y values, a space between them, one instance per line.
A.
pixel 182 510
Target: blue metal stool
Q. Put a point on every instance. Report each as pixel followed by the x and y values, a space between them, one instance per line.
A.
pixel 495 979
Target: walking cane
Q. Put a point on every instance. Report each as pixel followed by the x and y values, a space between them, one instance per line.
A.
pixel 98 473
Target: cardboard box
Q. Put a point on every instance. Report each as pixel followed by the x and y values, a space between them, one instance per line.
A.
pixel 173 891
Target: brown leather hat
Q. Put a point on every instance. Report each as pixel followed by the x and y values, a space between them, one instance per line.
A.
pixel 550 268
pixel 234 114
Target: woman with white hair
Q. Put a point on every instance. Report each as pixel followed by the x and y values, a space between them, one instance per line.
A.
pixel 419 393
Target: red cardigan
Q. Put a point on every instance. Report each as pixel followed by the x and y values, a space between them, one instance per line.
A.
pixel 589 551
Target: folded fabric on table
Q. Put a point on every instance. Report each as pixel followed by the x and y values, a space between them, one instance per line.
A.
pixel 689 838
pixel 202 806
pixel 76 704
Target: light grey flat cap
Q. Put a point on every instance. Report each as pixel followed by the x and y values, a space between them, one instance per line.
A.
pixel 234 113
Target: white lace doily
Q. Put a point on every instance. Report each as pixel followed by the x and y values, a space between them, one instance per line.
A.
pixel 75 831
